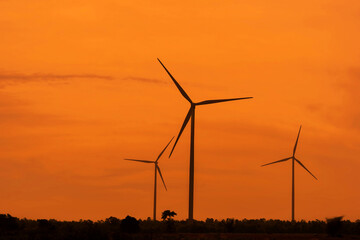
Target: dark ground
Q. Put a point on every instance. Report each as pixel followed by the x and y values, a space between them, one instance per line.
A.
pixel 236 236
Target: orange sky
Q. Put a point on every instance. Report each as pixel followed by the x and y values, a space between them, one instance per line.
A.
pixel 80 89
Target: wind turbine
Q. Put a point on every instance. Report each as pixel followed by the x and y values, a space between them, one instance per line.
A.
pixel 294 159
pixel 191 114
pixel 157 169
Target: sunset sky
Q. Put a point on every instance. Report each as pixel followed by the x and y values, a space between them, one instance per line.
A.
pixel 81 89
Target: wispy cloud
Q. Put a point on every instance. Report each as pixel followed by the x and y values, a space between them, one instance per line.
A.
pixel 142 79
pixel 14 78
pixel 40 76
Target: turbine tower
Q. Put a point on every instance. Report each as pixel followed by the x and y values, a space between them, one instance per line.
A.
pixel 294 159
pixel 157 169
pixel 191 114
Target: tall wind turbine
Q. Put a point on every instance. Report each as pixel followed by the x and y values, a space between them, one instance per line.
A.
pixel 157 169
pixel 293 158
pixel 191 114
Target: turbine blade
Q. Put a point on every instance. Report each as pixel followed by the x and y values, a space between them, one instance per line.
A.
pixel 220 100
pixel 176 83
pixel 282 160
pixel 189 114
pixel 297 139
pixel 164 150
pixel 137 160
pixel 305 168
pixel 158 168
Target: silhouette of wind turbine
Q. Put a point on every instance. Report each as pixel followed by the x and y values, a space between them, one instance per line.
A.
pixel 293 158
pixel 157 169
pixel 191 114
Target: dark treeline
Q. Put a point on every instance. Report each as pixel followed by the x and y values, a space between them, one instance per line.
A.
pixel 114 228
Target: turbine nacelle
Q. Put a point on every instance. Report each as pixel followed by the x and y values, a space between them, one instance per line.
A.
pixel 292 157
pixel 193 104
pixel 154 162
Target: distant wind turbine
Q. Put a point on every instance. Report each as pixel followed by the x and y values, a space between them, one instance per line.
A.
pixel 157 169
pixel 293 174
pixel 191 114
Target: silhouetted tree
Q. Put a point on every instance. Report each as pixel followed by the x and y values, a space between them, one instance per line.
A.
pixel 167 214
pixel 130 225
